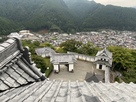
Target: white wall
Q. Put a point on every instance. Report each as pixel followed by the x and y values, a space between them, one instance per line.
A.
pixel 107 75
pixel 71 67
pixel 93 59
pixel 56 67
pixel 97 66
pixel 83 57
pixel 103 67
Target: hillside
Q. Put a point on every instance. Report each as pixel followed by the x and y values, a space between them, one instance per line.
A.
pixel 36 15
pixel 112 17
pixel 7 26
pixel 63 16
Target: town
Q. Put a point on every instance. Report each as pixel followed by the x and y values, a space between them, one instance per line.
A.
pixel 100 39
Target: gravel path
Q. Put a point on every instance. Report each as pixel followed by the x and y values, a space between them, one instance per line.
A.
pixel 80 70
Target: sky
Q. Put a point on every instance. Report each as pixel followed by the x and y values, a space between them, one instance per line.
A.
pixel 123 3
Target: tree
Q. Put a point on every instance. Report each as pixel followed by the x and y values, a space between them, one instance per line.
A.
pixel 88 49
pixel 71 45
pixel 46 44
pixel 122 57
pixel 40 63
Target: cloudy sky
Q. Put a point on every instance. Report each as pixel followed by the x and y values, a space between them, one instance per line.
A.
pixel 124 3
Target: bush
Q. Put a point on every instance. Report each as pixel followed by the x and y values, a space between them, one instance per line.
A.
pixel 129 76
pixel 117 79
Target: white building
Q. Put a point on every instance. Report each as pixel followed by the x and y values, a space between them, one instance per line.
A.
pixel 103 62
pixel 65 59
pixel 24 31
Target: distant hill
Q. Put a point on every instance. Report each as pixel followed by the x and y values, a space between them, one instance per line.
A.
pixel 112 17
pixel 7 26
pixel 81 9
pixel 93 16
pixel 67 16
pixel 38 14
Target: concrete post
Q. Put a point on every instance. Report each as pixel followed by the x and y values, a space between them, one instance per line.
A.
pixel 97 66
pixel 71 67
pixel 56 68
pixel 107 75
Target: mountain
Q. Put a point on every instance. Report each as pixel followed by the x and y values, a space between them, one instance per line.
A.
pixel 52 14
pixel 92 16
pixel 7 26
pixel 63 15
pixel 81 9
pixel 113 17
pixel 38 14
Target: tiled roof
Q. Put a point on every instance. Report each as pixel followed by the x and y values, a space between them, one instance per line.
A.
pixel 59 91
pixel 44 51
pixel 93 77
pixel 62 58
pixel 15 70
pixel 109 54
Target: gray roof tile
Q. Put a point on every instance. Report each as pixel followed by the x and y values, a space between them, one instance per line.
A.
pixel 63 58
pixel 46 51
pixel 105 51
pixel 1 48
pixel 15 71
pixel 59 91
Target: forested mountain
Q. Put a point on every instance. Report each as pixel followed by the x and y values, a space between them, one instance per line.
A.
pixel 112 17
pixel 63 15
pixel 7 26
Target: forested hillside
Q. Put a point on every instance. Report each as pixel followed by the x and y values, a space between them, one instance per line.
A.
pixel 112 17
pixel 38 14
pixel 63 16
pixel 7 26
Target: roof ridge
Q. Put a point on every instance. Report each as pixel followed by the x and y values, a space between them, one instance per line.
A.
pixel 16 60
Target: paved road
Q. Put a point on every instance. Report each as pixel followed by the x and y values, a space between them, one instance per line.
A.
pixel 80 70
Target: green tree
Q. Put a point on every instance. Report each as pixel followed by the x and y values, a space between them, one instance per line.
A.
pixel 46 44
pixel 88 49
pixel 122 57
pixel 71 45
pixel 40 63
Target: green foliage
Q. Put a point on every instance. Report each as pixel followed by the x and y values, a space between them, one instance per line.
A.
pixel 71 45
pixel 117 79
pixel 88 49
pixel 112 17
pixel 42 63
pixel 63 16
pixel 123 57
pixel 49 67
pixel 7 26
pixel 46 44
pixel 77 46
pixel 59 50
pixel 124 61
pixel 129 76
pixel 31 45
